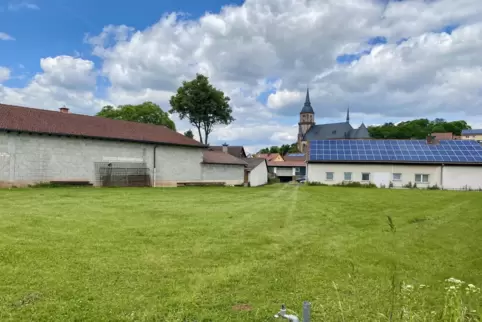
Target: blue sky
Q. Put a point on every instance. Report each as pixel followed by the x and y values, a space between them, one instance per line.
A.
pixel 45 28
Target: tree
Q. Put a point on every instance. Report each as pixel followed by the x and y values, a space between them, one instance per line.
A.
pixel 416 129
pixel 189 134
pixel 202 104
pixel 284 149
pixel 146 112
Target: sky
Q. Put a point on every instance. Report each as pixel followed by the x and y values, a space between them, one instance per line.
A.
pixel 386 60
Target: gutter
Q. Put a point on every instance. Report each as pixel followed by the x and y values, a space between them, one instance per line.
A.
pixel 154 169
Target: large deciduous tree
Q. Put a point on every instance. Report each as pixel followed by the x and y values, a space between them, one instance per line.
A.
pixel 146 112
pixel 202 104
pixel 416 129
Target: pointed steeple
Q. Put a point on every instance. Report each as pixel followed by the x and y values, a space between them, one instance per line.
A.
pixel 348 115
pixel 307 106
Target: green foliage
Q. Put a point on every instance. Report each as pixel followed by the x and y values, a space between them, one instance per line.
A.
pixel 408 185
pixel 284 149
pixel 146 112
pixel 272 180
pixel 434 187
pixel 416 129
pixel 202 104
pixel 316 183
pixel 45 185
pixel 189 134
pixel 356 184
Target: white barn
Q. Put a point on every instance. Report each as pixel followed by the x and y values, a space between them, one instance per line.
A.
pixel 447 164
pixel 44 146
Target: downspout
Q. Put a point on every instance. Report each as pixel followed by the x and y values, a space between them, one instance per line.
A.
pixel 154 168
pixel 442 177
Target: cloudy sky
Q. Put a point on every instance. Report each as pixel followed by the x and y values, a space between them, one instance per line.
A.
pixel 387 60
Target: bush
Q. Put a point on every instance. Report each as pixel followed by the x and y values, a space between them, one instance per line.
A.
pixel 356 184
pixel 434 187
pixel 390 185
pixel 315 183
pixel 273 180
pixel 408 185
pixel 44 185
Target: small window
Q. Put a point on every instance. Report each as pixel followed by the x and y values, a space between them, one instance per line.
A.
pixel 347 176
pixel 333 132
pixel 397 177
pixel 365 177
pixel 330 176
pixel 421 178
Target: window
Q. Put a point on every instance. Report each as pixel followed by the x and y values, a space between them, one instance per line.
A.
pixel 421 178
pixel 297 170
pixel 365 177
pixel 330 176
pixel 347 176
pixel 397 177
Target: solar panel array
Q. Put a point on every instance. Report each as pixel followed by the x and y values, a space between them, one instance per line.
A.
pixel 419 151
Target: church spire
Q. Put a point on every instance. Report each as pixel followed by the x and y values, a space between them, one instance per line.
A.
pixel 348 115
pixel 307 106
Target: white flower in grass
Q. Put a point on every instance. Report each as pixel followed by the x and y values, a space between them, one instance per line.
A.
pixel 454 281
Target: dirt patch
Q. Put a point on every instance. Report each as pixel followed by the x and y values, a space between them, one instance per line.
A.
pixel 242 307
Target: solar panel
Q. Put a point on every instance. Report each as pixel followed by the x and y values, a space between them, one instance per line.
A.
pixel 447 151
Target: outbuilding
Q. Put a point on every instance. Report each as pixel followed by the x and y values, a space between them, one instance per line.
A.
pixel 257 169
pixel 447 164
pixel 222 167
pixel 58 146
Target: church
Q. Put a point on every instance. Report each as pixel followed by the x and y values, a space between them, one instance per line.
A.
pixel 309 131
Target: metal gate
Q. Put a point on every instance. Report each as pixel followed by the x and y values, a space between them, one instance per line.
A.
pixel 121 174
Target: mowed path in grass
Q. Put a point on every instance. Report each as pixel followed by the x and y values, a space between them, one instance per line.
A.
pixel 192 254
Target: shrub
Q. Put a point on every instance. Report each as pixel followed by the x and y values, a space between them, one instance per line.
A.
pixel 434 187
pixel 408 185
pixel 315 183
pixel 356 184
pixel 390 185
pixel 273 180
pixel 44 185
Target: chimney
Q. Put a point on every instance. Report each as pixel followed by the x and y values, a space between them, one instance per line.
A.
pixel 431 139
pixel 64 110
pixel 225 148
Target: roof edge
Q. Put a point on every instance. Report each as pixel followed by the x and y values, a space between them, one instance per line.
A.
pixel 202 146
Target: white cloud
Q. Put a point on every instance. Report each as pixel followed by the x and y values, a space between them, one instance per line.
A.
pixel 19 5
pixel 5 36
pixel 4 74
pixel 281 47
pixel 64 80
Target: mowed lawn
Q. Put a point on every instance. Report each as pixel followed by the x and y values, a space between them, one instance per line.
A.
pixel 228 254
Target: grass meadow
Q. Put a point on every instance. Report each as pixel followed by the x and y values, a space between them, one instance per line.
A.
pixel 237 254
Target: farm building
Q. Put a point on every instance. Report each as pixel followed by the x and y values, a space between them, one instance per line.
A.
pixel 287 170
pixel 475 134
pixel 257 170
pixel 44 146
pixel 223 167
pixel 235 151
pixel 448 164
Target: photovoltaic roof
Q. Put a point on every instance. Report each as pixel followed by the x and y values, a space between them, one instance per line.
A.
pixel 472 132
pixel 406 151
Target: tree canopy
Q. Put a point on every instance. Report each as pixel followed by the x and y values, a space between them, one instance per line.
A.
pixel 146 112
pixel 285 148
pixel 189 134
pixel 416 129
pixel 202 104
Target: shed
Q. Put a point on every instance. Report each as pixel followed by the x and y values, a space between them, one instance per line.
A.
pixel 223 167
pixel 257 169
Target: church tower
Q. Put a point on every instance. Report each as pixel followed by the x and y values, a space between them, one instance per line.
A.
pixel 307 120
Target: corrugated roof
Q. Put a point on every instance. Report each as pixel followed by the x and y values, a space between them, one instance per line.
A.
pixel 253 162
pixel 472 132
pixel 23 119
pixel 215 157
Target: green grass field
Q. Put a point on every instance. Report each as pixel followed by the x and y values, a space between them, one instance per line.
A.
pixel 229 254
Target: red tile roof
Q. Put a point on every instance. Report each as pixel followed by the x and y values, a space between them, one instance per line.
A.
pixel 290 164
pixel 268 156
pixel 23 119
pixel 214 157
pixel 237 151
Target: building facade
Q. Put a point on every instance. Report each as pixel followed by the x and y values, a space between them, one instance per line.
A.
pixel 475 134
pixel 399 163
pixel 308 130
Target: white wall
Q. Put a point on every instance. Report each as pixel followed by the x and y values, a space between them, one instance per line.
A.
pixel 27 159
pixel 284 172
pixel 230 174
pixel 259 175
pixel 457 177
pixel 454 177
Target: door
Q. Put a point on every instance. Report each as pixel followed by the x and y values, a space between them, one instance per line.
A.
pixel 381 179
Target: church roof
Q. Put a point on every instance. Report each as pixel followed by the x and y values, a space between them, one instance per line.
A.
pixel 307 106
pixel 342 130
